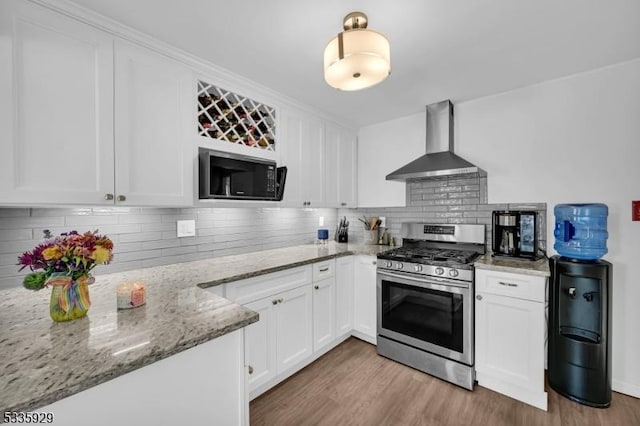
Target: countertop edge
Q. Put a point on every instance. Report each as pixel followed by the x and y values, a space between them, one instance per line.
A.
pixel 539 268
pixel 273 269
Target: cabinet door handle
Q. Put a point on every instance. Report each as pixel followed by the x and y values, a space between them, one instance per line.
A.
pixel 280 300
pixel 507 284
pixel 324 269
pixel 317 287
pixel 274 301
pixel 122 198
pixel 343 204
pixel 108 197
pixel 479 297
pixel 374 263
pixel 250 370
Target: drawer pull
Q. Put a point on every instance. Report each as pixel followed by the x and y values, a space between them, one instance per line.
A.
pixel 324 269
pixel 479 297
pixel 274 301
pixel 317 287
pixel 507 284
pixel 250 370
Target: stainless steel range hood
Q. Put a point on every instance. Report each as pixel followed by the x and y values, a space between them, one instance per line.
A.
pixel 439 159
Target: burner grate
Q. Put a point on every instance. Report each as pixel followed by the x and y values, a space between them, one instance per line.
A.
pixel 431 255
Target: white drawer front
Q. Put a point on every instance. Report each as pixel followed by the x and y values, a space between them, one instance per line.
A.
pixel 251 289
pixel 322 270
pixel 528 287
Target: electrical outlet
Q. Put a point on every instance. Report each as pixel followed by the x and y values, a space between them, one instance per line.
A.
pixel 383 222
pixel 186 228
pixel 635 211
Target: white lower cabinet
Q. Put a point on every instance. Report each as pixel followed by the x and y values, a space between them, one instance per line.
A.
pixel 260 344
pixel 364 312
pixel 293 327
pixel 199 386
pixel 510 335
pixel 344 295
pixel 281 339
pixel 324 313
pixel 303 313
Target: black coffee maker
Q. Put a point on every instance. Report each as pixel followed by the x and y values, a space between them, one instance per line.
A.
pixel 515 234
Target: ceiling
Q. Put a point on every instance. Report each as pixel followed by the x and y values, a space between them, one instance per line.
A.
pixel 440 49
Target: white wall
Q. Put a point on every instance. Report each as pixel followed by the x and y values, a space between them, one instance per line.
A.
pixel 576 139
pixel 382 149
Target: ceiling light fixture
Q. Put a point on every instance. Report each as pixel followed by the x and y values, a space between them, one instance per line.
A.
pixel 356 58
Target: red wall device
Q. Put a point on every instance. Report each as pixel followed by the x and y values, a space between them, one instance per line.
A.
pixel 635 211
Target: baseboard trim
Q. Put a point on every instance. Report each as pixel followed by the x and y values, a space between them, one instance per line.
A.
pixel 626 388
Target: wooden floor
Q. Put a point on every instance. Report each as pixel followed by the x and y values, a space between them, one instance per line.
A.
pixel 352 385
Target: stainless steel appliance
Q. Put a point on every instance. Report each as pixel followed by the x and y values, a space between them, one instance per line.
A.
pixel 515 234
pixel 233 176
pixel 440 159
pixel 425 302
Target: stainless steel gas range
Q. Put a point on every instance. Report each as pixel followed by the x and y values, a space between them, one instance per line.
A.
pixel 425 300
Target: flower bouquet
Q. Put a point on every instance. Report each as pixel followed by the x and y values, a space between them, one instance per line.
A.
pixel 65 263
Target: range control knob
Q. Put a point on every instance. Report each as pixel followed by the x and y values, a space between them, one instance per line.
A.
pixel 417 268
pixel 439 271
pixel 399 265
pixel 388 264
pixel 453 272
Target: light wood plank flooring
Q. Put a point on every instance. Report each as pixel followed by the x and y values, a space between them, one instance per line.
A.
pixel 352 385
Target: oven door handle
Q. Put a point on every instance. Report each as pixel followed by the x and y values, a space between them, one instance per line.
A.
pixel 424 279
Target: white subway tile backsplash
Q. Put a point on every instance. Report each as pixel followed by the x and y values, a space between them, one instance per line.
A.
pixel 27 222
pixel 76 221
pixel 16 234
pixel 146 237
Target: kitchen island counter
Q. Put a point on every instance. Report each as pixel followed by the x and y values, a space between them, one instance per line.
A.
pixel 43 361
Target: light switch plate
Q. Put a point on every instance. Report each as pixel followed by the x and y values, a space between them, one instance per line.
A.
pixel 186 228
pixel 635 211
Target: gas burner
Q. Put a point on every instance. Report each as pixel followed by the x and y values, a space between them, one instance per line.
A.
pixel 432 256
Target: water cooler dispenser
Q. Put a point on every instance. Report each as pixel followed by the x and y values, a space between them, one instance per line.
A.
pixel 579 358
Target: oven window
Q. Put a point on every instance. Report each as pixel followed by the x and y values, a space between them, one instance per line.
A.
pixel 429 315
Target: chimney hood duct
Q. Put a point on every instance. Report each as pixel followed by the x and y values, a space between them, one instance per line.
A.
pixel 442 161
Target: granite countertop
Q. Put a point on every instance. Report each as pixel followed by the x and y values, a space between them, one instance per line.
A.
pixel 42 361
pixel 220 270
pixel 538 267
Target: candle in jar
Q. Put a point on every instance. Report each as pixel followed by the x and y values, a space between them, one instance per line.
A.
pixel 131 295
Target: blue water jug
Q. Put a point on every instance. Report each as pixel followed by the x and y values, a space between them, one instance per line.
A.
pixel 581 230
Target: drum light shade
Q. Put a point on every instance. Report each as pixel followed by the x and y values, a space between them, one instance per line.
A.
pixel 356 58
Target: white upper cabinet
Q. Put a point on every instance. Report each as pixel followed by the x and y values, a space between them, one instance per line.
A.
pixel 341 167
pixel 304 155
pixel 73 136
pixel 154 113
pixel 56 108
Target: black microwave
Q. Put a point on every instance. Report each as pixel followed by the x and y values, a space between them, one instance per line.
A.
pixel 230 176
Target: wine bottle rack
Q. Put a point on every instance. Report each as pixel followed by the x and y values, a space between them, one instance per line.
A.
pixel 233 118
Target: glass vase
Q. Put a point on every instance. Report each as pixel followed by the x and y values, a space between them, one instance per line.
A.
pixel 69 297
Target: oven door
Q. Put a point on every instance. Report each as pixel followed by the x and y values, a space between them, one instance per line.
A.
pixel 432 314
